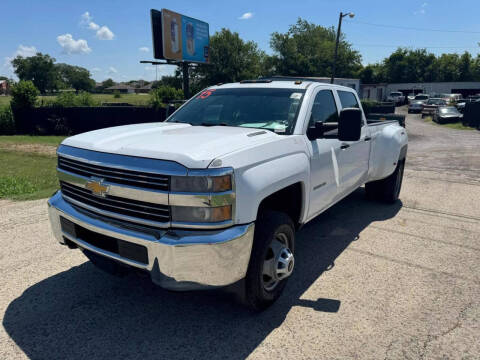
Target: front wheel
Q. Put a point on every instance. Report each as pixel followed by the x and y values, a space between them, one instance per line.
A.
pixel 271 261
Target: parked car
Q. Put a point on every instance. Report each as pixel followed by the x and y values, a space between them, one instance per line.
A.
pixel 396 97
pixel 453 98
pixel 410 97
pixel 423 97
pixel 416 106
pixel 447 114
pixel 215 194
pixel 431 105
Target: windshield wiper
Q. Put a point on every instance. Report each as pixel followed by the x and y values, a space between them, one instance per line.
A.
pixel 212 124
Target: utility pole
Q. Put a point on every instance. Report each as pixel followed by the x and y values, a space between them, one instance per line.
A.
pixel 186 88
pixel 342 15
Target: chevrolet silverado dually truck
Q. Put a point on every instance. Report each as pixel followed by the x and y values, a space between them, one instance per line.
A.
pixel 213 196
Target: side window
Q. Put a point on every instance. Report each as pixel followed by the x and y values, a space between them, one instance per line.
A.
pixel 324 108
pixel 347 99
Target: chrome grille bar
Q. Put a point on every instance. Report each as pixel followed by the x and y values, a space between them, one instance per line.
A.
pixel 140 210
pixel 114 175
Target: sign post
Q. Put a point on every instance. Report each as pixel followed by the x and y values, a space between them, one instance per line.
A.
pixel 180 39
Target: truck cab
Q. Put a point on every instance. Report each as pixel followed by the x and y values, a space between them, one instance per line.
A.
pixel 214 195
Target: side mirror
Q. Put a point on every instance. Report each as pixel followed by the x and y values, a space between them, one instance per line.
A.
pixel 315 132
pixel 350 124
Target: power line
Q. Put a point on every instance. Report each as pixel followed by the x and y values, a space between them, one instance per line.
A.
pixel 412 28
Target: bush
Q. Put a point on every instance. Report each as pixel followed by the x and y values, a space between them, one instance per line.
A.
pixel 24 95
pixel 164 94
pixel 69 99
pixel 116 94
pixel 85 99
pixel 7 124
pixel 65 99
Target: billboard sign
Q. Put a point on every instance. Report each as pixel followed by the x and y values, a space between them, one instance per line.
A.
pixel 178 37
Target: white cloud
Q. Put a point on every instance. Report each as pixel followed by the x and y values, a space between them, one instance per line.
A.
pixel 104 33
pixel 72 46
pixel 143 49
pixel 93 26
pixel 246 16
pixel 112 70
pixel 422 9
pixel 22 50
pixel 85 18
pixel 96 69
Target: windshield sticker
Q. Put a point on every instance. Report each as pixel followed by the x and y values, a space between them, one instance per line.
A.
pixel 205 94
pixel 296 96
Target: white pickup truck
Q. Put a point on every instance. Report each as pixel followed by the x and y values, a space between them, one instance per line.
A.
pixel 396 97
pixel 213 195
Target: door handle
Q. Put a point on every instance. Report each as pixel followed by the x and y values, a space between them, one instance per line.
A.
pixel 368 138
pixel 344 146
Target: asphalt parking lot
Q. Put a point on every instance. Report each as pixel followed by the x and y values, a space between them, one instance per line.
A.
pixel 372 281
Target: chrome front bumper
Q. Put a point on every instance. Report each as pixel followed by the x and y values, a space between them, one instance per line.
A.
pixel 177 259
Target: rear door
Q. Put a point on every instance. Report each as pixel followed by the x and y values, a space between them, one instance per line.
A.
pixel 354 155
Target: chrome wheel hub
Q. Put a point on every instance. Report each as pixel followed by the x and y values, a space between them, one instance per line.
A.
pixel 279 262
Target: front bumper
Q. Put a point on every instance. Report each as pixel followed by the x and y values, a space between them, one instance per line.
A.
pixel 177 259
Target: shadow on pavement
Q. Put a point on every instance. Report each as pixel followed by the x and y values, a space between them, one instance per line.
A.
pixel 84 313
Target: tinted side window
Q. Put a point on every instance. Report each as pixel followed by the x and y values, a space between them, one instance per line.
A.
pixel 347 99
pixel 324 108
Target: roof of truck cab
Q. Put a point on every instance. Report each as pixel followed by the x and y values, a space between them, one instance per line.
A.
pixel 280 84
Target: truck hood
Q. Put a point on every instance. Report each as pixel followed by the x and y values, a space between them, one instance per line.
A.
pixel 191 146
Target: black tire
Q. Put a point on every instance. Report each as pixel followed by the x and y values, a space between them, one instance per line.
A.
pixel 268 225
pixel 388 189
pixel 107 265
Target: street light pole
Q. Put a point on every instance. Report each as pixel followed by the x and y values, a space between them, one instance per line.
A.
pixel 342 15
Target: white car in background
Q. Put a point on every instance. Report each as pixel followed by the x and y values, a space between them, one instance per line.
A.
pixel 396 97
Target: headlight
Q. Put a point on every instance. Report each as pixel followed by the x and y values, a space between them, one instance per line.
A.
pixel 201 214
pixel 201 183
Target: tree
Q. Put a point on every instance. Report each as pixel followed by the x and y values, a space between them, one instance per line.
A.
pixel 24 95
pixel 465 67
pixel 307 49
pixel 75 77
pixel 448 67
pixel 231 59
pixel 39 69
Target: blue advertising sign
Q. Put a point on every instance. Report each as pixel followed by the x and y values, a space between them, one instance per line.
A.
pixel 182 38
pixel 195 40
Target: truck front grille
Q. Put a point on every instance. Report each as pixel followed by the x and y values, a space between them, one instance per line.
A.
pixel 115 175
pixel 134 209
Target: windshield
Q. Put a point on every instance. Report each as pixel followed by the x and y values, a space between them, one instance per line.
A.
pixel 396 94
pixel 448 110
pixel 271 109
pixel 436 102
pixel 421 97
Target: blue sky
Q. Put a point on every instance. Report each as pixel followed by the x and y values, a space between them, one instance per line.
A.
pixel 114 35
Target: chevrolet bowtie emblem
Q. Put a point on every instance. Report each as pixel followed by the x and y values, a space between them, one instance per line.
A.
pixel 96 187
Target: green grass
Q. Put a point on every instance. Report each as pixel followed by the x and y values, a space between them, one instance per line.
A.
pixel 26 139
pixel 27 176
pixel 457 126
pixel 5 100
pixel 134 99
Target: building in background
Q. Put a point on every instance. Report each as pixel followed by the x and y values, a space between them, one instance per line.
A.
pixel 121 88
pixel 4 87
pixel 380 92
